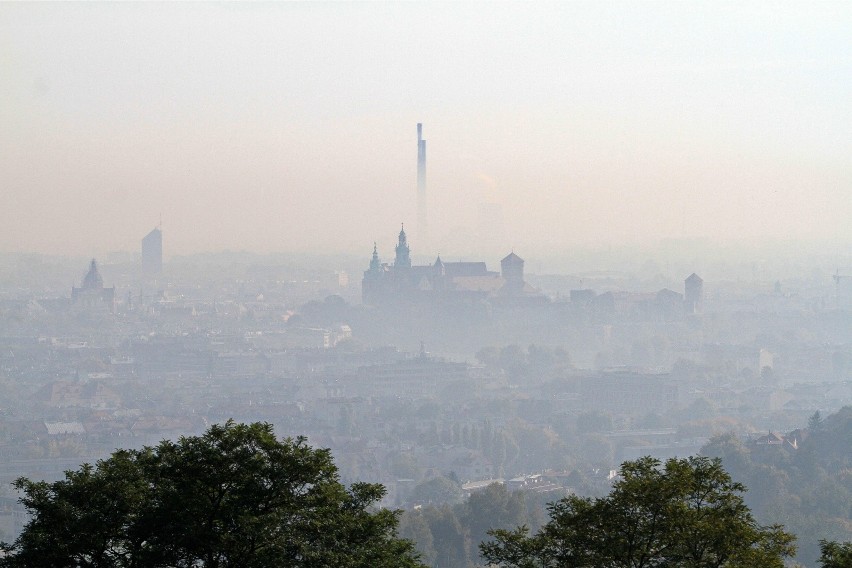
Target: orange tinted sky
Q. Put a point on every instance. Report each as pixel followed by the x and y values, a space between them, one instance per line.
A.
pixel 292 126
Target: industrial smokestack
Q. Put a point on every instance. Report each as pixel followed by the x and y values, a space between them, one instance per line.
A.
pixel 421 186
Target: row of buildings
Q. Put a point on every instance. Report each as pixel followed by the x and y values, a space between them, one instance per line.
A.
pixel 385 283
pixel 388 283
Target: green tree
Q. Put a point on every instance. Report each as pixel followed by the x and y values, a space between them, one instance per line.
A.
pixel 815 422
pixel 689 514
pixel 835 555
pixel 436 491
pixel 734 454
pixel 450 541
pixel 494 506
pixel 235 496
pixel 413 526
pixel 488 356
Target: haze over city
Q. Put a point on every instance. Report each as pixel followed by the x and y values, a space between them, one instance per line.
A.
pixel 426 284
pixel 290 127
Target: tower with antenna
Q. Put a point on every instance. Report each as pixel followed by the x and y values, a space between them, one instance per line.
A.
pixel 422 228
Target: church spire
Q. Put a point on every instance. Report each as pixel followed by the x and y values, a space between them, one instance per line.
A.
pixel 403 258
pixel 375 263
pixel 93 279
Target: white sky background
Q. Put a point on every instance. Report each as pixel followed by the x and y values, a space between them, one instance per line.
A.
pixel 275 127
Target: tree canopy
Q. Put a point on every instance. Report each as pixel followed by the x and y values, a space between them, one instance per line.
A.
pixel 235 496
pixel 687 513
pixel 835 555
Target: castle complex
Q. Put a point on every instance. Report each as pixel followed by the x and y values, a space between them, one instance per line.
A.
pixel 386 283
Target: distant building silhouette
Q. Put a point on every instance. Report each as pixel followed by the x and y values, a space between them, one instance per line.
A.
pixel 693 296
pixel 384 283
pixel 403 252
pixel 583 297
pixel 152 253
pixel 422 228
pixel 667 305
pixel 91 294
pixel 512 269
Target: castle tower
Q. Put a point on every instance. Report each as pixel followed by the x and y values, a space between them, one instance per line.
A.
pixel 512 271
pixel 693 294
pixel 371 285
pixel 375 263
pixel 403 255
pixel 439 274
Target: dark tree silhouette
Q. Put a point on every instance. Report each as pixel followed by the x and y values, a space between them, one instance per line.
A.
pixel 688 513
pixel 235 496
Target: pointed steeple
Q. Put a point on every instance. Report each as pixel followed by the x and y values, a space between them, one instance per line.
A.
pixel 375 263
pixel 403 258
pixel 93 279
pixel 438 267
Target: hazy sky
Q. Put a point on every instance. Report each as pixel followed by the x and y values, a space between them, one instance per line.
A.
pixel 286 126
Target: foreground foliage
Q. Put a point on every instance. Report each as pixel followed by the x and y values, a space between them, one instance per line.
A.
pixel 449 536
pixel 808 488
pixel 235 496
pixel 688 513
pixel 835 555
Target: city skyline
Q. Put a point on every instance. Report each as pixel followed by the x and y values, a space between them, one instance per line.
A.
pixel 288 127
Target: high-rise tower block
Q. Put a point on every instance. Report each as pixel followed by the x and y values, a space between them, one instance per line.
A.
pixel 152 253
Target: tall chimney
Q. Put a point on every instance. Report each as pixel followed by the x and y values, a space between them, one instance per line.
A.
pixel 422 228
